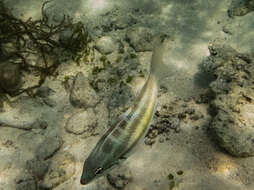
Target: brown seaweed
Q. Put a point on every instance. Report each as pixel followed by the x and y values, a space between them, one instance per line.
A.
pixel 38 38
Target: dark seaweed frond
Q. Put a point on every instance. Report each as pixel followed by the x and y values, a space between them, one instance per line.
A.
pixel 21 39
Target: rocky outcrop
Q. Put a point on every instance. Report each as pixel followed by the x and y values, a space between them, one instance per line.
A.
pixel 233 106
pixel 240 7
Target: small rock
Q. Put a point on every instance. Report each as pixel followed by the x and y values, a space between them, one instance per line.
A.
pixel 49 147
pixel 43 125
pixel 82 94
pixel 45 186
pixel 119 177
pixel 102 184
pixel 44 92
pixel 118 20
pixel 177 130
pixel 40 125
pixel 149 141
pixel 190 111
pixel 61 169
pixel 227 29
pixel 106 45
pixel 161 139
pixel 81 122
pixel 140 38
pixel 196 116
pixel 65 36
pixel 153 133
pixel 174 123
pixel 68 82
pixel 23 113
pixel 10 78
pixel 74 37
pixel 240 7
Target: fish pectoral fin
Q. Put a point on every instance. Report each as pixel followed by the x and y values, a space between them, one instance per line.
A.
pixel 126 114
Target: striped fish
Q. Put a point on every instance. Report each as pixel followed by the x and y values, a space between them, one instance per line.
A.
pixel 120 139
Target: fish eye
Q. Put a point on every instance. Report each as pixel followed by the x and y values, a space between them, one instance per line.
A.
pixel 98 171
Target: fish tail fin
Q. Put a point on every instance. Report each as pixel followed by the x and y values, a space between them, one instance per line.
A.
pixel 157 57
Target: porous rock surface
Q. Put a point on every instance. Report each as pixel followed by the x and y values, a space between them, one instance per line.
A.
pixel 233 123
pixel 240 7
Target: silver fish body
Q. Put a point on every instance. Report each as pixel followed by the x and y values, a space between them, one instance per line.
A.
pixel 120 139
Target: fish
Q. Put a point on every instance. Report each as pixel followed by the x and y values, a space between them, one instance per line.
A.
pixel 118 141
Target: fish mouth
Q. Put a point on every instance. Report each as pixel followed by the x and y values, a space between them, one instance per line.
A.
pixel 83 181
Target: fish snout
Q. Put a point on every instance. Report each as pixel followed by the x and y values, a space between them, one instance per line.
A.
pixel 83 181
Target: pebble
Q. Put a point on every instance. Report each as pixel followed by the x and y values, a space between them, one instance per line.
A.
pixel 82 94
pixel 177 130
pixel 190 111
pixel 44 92
pixel 149 141
pixel 197 116
pixel 140 38
pixel 106 45
pixel 161 139
pixel 119 177
pixel 10 78
pixel 153 133
pixel 24 113
pixel 174 123
pixel 73 37
pixel 40 125
pixel 196 127
pixel 81 122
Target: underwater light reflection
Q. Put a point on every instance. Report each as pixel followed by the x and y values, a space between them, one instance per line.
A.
pixel 98 4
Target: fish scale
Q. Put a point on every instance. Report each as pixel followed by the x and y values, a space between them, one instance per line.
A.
pixel 135 123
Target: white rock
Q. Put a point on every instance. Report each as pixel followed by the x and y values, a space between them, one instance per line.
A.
pixel 106 45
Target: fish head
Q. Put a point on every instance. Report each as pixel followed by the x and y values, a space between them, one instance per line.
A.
pixel 95 166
